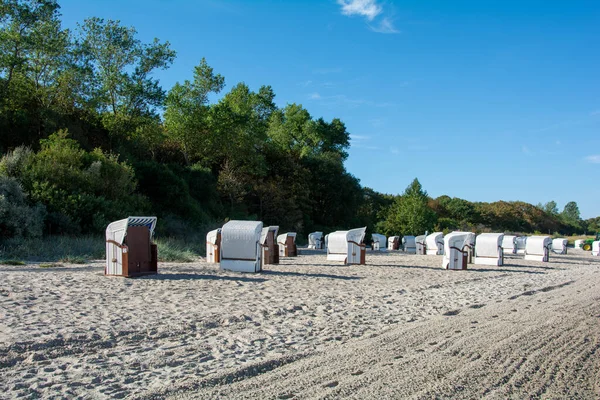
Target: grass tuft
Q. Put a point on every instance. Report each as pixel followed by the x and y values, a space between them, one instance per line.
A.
pixel 81 249
pixel 12 262
pixel 53 265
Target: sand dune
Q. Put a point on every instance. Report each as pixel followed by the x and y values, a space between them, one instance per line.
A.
pixel 307 328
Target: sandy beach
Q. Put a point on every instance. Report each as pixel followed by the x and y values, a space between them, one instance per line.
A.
pixel 398 327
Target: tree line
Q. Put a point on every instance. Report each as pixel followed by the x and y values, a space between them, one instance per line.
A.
pixel 88 135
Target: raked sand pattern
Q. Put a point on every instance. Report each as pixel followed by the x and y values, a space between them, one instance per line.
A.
pixel 398 327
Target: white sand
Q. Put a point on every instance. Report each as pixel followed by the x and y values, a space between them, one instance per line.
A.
pixel 307 328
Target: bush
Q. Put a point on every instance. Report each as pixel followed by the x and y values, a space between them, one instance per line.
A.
pixel 83 191
pixel 17 217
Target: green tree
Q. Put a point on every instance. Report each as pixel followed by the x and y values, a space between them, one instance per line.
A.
pixel 187 109
pixel 120 73
pixel 571 212
pixel 410 213
pixel 551 208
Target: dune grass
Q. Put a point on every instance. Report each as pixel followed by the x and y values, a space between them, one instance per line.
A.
pixel 81 249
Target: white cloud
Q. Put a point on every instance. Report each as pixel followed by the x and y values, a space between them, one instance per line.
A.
pixel 594 159
pixel 372 11
pixel 365 8
pixel 359 137
pixel 343 100
pixel 384 26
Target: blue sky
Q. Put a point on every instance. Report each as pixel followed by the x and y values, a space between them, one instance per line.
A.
pixel 483 100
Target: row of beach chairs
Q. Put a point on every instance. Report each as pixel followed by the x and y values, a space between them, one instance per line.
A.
pixel 246 246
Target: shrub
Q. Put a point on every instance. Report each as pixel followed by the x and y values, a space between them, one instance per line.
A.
pixel 17 217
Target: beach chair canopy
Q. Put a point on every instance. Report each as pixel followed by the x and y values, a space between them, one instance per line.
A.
pixel 578 243
pixel 538 245
pixel 265 232
pixel 338 241
pixel 377 238
pixel 410 241
pixel 435 243
pixel 434 238
pixel 456 248
pixel 117 230
pixel 239 240
pixel 283 237
pixel 211 237
pixel 470 240
pixel 315 239
pixel 559 245
pixel 487 244
pixel 509 242
pixel 459 240
pixel 596 248
pixel 521 242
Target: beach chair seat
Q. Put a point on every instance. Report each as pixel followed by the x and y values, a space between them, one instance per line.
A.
pixel 559 245
pixel 521 244
pixel 315 240
pixel 129 248
pixel 213 246
pixel 270 249
pixel 434 243
pixel 379 242
pixel 456 251
pixel 596 248
pixel 347 246
pixel 421 245
pixel 488 249
pixel 509 244
pixel 393 242
pixel 287 245
pixel 538 248
pixel 241 250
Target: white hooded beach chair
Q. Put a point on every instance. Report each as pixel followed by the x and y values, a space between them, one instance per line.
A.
pixel 270 249
pixel 578 243
pixel 469 244
pixel 509 244
pixel 538 248
pixel 488 249
pixel 315 240
pixel 347 246
pixel 213 246
pixel 326 240
pixel 521 243
pixel 379 242
pixel 409 244
pixel 596 248
pixel 393 242
pixel 434 243
pixel 129 248
pixel 287 244
pixel 241 249
pixel 456 250
pixel 420 245
pixel 559 246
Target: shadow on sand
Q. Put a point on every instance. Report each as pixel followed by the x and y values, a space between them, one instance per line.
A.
pixel 326 276
pixel 201 277
pixel 471 268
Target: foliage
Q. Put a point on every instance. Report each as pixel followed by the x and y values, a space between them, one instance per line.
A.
pixel 17 217
pixel 410 213
pixel 185 155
